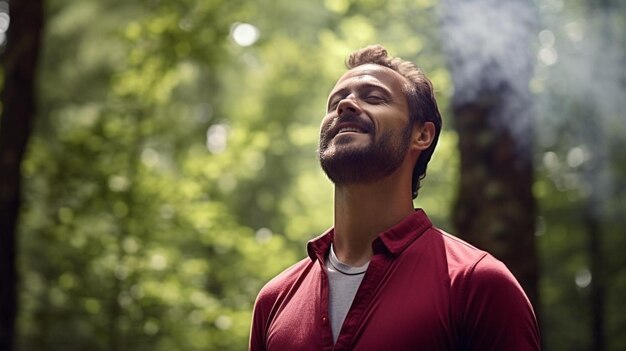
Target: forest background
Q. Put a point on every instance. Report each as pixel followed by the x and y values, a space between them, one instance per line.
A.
pixel 171 168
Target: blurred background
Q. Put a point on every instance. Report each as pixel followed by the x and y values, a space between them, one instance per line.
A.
pixel 161 157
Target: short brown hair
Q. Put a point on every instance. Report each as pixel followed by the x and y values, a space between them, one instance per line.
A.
pixel 419 93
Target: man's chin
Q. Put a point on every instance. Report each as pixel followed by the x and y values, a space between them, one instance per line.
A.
pixel 345 164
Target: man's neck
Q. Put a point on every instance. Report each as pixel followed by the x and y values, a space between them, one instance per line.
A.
pixel 362 211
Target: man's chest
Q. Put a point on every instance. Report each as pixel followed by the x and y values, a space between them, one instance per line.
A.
pixel 389 312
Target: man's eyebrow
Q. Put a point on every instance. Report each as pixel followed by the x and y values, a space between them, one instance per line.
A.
pixel 378 87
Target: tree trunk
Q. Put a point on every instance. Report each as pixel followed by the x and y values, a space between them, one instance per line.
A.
pixel 488 45
pixel 18 103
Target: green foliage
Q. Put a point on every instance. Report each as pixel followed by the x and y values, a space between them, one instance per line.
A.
pixel 173 172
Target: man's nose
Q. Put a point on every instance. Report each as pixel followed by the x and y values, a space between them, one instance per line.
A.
pixel 348 105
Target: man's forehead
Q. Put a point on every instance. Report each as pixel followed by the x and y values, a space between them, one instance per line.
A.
pixel 373 73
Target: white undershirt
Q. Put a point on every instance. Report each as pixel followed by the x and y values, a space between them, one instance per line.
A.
pixel 344 281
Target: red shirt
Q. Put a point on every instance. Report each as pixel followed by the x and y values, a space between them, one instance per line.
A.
pixel 423 290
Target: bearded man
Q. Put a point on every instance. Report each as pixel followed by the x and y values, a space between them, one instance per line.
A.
pixel 383 277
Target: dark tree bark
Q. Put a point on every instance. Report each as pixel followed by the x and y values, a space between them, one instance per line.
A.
pixel 18 112
pixel 488 45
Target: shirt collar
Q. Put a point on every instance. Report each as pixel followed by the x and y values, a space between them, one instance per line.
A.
pixel 318 248
pixel 393 240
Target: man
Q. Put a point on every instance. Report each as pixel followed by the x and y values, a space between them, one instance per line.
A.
pixel 383 278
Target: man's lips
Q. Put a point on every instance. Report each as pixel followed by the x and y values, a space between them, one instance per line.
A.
pixel 345 125
pixel 348 127
pixel 351 129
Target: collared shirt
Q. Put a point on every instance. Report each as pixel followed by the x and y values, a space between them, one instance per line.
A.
pixel 423 290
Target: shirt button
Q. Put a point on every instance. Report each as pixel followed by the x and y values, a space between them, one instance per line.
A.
pixel 324 320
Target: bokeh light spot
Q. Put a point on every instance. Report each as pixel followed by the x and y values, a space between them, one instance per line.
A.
pixel 217 137
pixel 158 262
pixel 548 56
pixel 223 322
pixel 151 327
pixel 576 157
pixel 574 31
pixel 583 278
pixel 244 34
pixel 5 20
pixel 263 235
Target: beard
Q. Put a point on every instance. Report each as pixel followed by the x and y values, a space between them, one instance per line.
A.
pixel 349 164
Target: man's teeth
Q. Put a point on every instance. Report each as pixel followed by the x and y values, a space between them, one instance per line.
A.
pixel 356 130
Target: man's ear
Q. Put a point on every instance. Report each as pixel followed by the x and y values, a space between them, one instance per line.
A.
pixel 423 136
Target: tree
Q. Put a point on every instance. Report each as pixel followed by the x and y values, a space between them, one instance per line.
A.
pixel 18 112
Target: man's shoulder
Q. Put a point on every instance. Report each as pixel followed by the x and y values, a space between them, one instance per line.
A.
pixel 467 263
pixel 284 280
pixel 467 260
pixel 273 294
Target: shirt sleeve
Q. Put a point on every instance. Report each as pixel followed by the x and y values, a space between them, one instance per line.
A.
pixel 497 313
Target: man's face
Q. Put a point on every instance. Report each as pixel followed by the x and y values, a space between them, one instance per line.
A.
pixel 366 132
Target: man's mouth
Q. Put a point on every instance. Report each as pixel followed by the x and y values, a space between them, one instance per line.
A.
pixel 351 130
pixel 348 125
